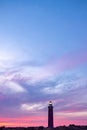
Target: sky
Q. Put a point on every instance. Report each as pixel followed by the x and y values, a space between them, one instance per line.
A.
pixel 43 57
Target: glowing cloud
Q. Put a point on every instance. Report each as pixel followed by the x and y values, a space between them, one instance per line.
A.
pixel 33 107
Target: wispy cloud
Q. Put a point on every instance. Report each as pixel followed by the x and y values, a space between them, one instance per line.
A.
pixel 8 87
pixel 66 85
pixel 68 61
pixel 33 107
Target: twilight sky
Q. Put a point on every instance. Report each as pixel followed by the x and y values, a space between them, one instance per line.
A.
pixel 43 57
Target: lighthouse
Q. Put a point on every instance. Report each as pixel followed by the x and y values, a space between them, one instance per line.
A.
pixel 50 115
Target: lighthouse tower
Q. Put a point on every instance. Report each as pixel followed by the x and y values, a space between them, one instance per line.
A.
pixel 50 115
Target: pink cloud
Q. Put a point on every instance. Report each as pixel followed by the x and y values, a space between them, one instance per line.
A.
pixel 24 121
pixel 41 121
pixel 60 122
pixel 67 62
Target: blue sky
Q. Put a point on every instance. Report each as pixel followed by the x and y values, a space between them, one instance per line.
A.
pixel 43 57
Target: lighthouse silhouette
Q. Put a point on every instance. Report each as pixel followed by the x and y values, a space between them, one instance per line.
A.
pixel 50 115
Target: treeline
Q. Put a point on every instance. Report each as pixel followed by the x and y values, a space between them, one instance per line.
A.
pixel 70 127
